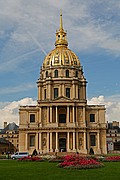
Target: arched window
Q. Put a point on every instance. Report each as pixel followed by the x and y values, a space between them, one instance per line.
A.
pixel 46 73
pixel 67 73
pixel 56 73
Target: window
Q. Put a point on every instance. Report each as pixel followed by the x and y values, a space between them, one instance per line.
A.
pixel 44 93
pixel 55 92
pixel 46 73
pixel 68 92
pixel 56 73
pixel 76 73
pixel 32 140
pixel 32 118
pixel 67 73
pixel 62 118
pixel 92 140
pixel 92 117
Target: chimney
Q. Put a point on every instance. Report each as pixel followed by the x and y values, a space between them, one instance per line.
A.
pixel 5 124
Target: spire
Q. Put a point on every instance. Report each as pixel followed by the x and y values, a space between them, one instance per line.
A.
pixel 61 23
pixel 61 39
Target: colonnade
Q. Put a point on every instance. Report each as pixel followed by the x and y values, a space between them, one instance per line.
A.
pixel 75 141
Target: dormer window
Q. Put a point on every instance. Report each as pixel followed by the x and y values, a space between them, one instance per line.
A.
pixel 56 73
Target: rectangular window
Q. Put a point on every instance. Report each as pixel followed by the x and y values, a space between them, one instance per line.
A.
pixel 44 93
pixel 32 140
pixel 92 140
pixel 32 118
pixel 92 117
pixel 55 92
pixel 68 92
pixel 62 118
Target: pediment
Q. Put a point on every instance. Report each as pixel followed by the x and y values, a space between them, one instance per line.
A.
pixel 61 99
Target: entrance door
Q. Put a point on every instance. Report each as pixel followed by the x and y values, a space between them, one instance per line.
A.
pixel 62 145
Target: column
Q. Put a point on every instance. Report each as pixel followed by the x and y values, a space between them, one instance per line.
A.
pixel 26 141
pixel 84 115
pixel 51 149
pixel 73 141
pixel 56 114
pixel 48 142
pixel 76 114
pixel 38 92
pixel 51 114
pixel 68 142
pixel 77 141
pixel 48 114
pixel 73 114
pixel 49 93
pixel 40 147
pixel 68 112
pixel 40 112
pixel 36 142
pixel 84 140
pixel 98 140
pixel 76 91
pixel 63 90
pixel 73 90
pixel 56 149
pixel 60 89
pixel 88 141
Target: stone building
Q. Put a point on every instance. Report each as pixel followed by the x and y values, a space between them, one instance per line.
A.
pixel 10 134
pixel 113 136
pixel 62 121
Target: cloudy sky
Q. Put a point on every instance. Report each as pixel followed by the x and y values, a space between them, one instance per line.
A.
pixel 27 34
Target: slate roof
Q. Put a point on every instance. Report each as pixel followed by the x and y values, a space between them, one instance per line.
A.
pixel 9 127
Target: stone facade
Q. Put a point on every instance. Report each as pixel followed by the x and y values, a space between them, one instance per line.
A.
pixel 113 136
pixel 10 133
pixel 62 121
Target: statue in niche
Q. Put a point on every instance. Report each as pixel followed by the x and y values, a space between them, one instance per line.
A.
pixel 44 141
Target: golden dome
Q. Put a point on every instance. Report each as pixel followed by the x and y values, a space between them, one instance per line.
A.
pixel 61 55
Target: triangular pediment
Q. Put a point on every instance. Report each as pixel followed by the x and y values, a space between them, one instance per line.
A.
pixel 61 99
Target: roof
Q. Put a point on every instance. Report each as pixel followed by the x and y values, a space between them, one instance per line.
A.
pixel 10 127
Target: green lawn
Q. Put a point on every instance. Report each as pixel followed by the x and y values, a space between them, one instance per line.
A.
pixel 14 170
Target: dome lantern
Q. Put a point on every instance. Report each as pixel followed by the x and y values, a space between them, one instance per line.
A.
pixel 61 39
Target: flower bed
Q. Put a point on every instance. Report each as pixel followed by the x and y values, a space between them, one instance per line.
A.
pixel 57 159
pixel 78 162
pixel 112 159
pixel 29 158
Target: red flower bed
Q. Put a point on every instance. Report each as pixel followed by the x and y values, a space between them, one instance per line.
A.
pixel 29 158
pixel 78 162
pixel 112 158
